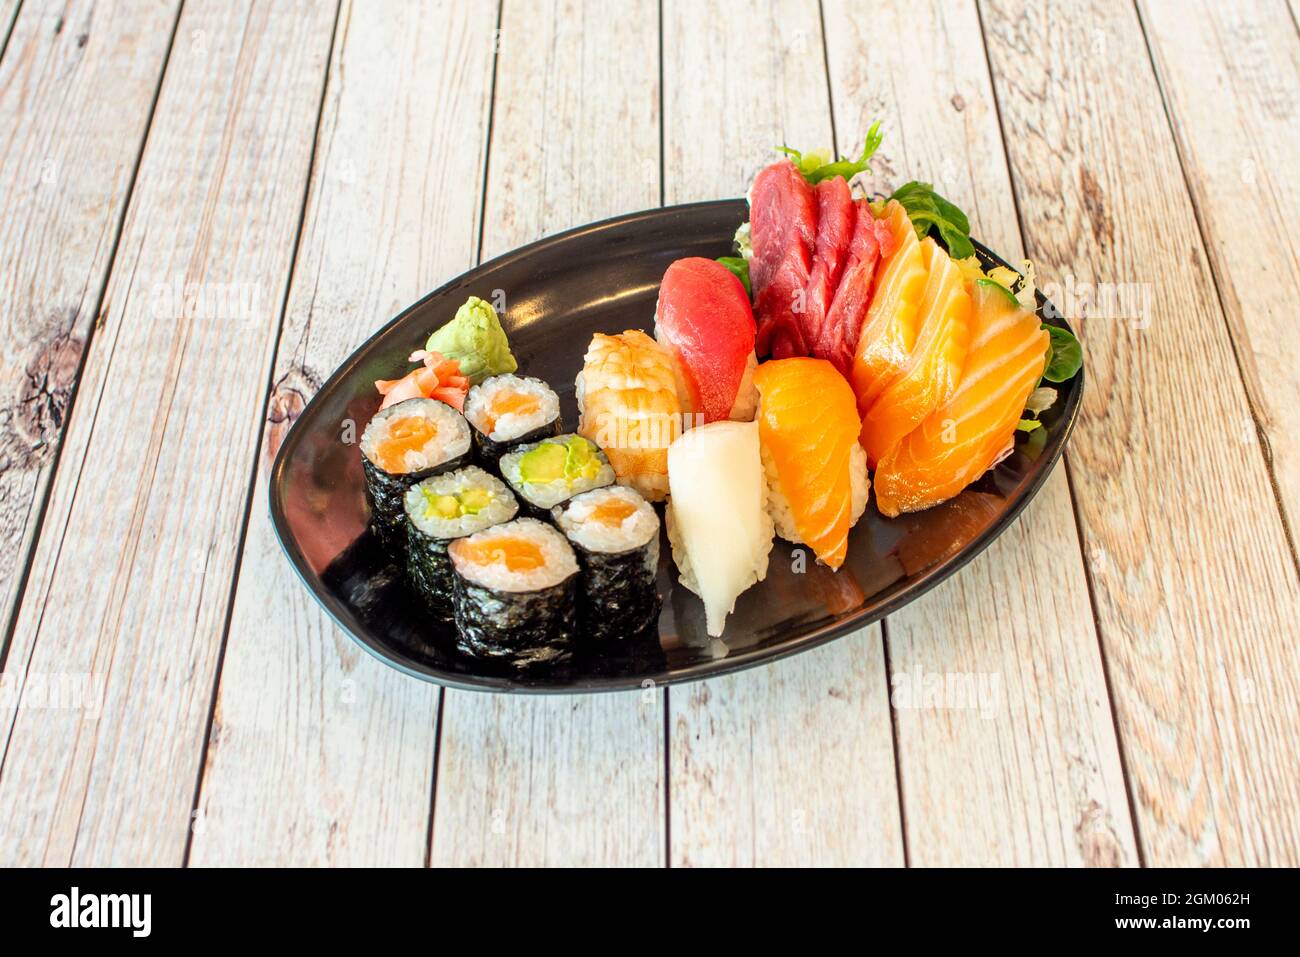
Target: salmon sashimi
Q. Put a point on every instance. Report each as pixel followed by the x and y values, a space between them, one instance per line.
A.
pixel 842 327
pixel 816 470
pixel 889 330
pixel 704 320
pixel 627 398
pixel 783 229
pixel 930 375
pixel 960 440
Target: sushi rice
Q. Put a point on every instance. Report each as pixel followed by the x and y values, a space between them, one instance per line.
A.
pixel 546 473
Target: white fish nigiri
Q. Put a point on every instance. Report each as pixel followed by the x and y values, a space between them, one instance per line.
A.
pixel 717 516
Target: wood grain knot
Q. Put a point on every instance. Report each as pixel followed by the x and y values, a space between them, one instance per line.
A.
pixel 35 418
pixel 289 397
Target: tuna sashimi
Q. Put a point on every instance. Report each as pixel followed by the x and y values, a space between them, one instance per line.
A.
pixel 816 470
pixel 836 219
pixel 705 322
pixel 889 330
pixel 627 399
pixel 959 441
pixel 930 375
pixel 839 332
pixel 783 230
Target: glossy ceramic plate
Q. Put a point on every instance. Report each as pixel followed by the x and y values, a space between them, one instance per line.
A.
pixel 605 278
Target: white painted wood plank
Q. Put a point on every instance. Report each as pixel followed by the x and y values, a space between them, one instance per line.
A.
pixel 561 780
pixel 320 754
pixel 132 569
pixel 1231 75
pixel 791 763
pixel 1195 587
pixel 76 86
pixel 1030 774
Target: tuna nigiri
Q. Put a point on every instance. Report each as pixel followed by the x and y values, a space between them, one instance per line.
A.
pixel 705 322
pixel 717 519
pixel 959 441
pixel 929 375
pixel 816 471
pixel 627 397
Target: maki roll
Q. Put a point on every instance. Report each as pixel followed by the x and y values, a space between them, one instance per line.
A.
pixel 507 411
pixel 615 533
pixel 402 444
pixel 438 511
pixel 550 472
pixel 514 593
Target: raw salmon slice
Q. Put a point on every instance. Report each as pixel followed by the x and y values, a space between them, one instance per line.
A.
pixel 959 441
pixel 817 475
pixel 890 327
pixel 930 375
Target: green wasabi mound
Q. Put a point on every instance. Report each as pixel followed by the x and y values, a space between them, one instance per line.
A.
pixel 475 339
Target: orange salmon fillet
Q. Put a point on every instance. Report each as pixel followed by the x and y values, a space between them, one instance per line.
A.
pixel 929 377
pixel 959 441
pixel 807 426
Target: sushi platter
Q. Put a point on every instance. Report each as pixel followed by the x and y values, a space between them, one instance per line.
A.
pixel 680 442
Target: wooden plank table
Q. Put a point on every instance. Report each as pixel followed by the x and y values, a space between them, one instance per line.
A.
pixel 321 164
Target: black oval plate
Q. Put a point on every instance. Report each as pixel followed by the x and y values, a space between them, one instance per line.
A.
pixel 605 278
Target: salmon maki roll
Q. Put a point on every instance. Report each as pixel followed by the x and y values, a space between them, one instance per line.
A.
pixel 627 397
pixel 959 441
pixel 928 377
pixel 816 470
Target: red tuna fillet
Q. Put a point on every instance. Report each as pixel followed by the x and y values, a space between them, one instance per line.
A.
pixel 838 335
pixel 783 229
pixel 704 320
pixel 836 221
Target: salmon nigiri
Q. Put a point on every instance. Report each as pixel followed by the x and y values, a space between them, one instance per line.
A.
pixel 889 330
pixel 959 441
pixel 929 376
pixel 627 397
pixel 704 320
pixel 816 470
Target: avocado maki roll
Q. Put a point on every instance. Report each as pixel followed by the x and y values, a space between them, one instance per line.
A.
pixel 615 534
pixel 514 593
pixel 438 511
pixel 507 411
pixel 550 472
pixel 402 444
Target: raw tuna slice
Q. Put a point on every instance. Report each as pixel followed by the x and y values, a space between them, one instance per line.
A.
pixel 836 219
pixel 783 228
pixel 839 332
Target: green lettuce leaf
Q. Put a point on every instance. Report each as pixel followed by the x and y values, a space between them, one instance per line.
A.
pixel 740 266
pixel 928 210
pixel 818 166
pixel 1066 357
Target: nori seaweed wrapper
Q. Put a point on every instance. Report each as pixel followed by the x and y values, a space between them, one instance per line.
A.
pixel 489 452
pixel 384 492
pixel 618 596
pixel 428 567
pixel 522 628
